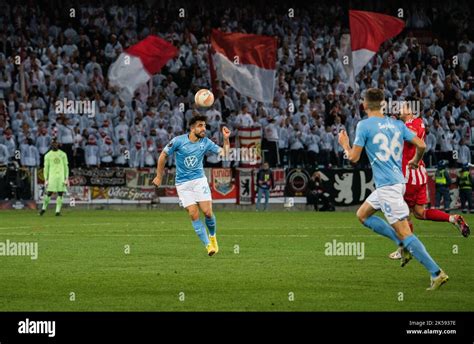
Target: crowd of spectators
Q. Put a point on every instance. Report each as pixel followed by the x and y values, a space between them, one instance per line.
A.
pixel 48 54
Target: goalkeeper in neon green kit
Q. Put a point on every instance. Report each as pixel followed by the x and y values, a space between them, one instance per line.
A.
pixel 56 174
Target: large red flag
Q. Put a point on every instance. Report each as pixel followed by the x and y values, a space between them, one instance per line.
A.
pixel 245 61
pixel 136 65
pixel 368 31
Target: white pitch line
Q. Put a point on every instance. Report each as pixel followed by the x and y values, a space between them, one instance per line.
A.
pixel 36 226
pixel 60 225
pixel 151 235
pixel 236 235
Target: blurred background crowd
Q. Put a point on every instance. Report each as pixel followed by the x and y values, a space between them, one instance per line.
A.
pixel 55 51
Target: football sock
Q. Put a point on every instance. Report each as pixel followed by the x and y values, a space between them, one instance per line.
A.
pixel 59 203
pixel 201 231
pixel 418 250
pixel 436 215
pixel 211 224
pixel 46 201
pixel 381 227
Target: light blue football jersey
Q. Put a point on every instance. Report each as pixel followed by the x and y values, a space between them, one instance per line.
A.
pixel 383 141
pixel 190 156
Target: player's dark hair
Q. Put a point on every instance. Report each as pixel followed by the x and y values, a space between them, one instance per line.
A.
pixel 195 119
pixel 374 98
pixel 54 144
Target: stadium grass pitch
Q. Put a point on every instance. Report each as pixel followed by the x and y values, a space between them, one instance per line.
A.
pixel 272 261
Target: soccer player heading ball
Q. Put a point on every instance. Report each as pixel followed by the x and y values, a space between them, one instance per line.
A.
pixel 191 183
pixel 383 139
pixel 56 175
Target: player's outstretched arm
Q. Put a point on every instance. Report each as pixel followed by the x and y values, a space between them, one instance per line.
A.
pixel 226 147
pixel 160 168
pixel 420 150
pixel 351 153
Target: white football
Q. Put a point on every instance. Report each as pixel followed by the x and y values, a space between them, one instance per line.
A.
pixel 204 98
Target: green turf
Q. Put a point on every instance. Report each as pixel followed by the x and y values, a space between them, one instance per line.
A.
pixel 279 253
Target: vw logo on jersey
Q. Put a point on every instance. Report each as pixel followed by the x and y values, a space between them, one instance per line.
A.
pixel 190 161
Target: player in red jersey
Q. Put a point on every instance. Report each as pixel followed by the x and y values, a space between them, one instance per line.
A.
pixel 416 180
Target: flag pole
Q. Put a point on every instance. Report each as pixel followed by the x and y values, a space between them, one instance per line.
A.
pixel 212 71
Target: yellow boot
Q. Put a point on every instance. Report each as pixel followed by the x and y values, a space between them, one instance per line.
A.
pixel 213 240
pixel 210 250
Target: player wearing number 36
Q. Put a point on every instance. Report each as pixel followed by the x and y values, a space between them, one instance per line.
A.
pixel 191 183
pixel 383 139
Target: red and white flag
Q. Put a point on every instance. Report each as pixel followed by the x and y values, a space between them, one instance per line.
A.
pixel 251 139
pixel 136 65
pixel 368 31
pixel 246 62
